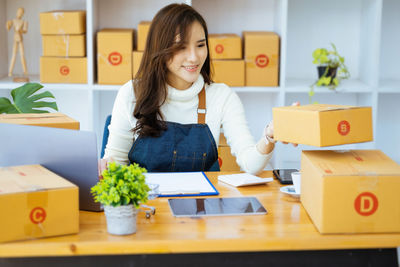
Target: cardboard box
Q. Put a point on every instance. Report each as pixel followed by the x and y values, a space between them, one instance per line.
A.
pixel 63 22
pixel 64 45
pixel 227 162
pixel 36 203
pixel 63 70
pixel 143 30
pixel 261 52
pixel 230 72
pixel 352 191
pixel 322 125
pixel 54 120
pixel 225 46
pixel 114 56
pixel 136 59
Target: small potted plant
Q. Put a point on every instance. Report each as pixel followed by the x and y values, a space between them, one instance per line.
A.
pixel 331 68
pixel 121 191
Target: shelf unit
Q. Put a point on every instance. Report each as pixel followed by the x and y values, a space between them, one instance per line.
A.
pixel 364 31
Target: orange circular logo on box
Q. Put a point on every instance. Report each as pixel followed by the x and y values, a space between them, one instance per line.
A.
pixel 343 127
pixel 219 48
pixel 219 162
pixel 262 61
pixel 115 58
pixel 64 70
pixel 37 215
pixel 366 204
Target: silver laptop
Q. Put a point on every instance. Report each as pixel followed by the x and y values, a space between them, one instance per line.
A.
pixel 69 153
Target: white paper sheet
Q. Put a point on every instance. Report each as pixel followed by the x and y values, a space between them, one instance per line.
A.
pixel 243 179
pixel 181 183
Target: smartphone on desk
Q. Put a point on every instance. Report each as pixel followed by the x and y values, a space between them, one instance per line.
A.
pixel 284 175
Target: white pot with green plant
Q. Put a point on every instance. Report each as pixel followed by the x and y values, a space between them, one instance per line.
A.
pixel 121 190
pixel 331 69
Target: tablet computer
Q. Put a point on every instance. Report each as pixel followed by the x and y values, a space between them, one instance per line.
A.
pixel 198 207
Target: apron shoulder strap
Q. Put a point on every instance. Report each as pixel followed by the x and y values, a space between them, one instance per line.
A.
pixel 201 109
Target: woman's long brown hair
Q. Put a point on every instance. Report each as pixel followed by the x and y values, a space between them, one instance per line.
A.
pixel 150 82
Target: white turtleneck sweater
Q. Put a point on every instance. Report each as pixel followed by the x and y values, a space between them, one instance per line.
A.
pixel 224 108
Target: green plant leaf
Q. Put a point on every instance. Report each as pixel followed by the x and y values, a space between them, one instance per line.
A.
pixel 26 101
pixel 121 185
pixel 6 106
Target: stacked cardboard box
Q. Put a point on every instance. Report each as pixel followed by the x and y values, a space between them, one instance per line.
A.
pixel 114 56
pixel 226 59
pixel 343 191
pixel 64 48
pixel 142 32
pixel 261 53
pixel 227 162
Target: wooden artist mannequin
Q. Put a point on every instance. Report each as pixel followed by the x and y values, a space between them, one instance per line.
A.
pixel 20 27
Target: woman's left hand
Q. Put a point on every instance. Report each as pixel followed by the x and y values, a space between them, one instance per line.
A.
pixel 269 130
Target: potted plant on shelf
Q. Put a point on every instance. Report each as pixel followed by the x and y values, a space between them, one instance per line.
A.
pixel 331 69
pixel 121 190
pixel 26 101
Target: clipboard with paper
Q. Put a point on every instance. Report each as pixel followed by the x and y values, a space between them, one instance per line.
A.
pixel 182 184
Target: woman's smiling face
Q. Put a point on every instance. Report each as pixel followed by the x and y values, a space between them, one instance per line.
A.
pixel 185 65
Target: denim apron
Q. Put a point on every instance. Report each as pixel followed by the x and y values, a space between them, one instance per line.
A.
pixel 180 148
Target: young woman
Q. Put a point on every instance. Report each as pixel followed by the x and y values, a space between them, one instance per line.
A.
pixel 169 117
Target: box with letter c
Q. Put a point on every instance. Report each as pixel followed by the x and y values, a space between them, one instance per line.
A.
pixel 63 70
pixel 36 203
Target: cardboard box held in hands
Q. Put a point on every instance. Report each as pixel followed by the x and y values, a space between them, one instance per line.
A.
pixel 322 125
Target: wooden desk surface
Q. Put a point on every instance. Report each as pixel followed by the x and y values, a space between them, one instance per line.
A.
pixel 285 227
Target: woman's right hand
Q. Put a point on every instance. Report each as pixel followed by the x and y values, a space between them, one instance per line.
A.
pixel 102 165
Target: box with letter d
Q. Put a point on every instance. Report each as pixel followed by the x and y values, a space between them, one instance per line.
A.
pixel 354 191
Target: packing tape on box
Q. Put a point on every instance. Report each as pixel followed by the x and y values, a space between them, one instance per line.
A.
pixel 66 42
pixel 37 203
pixel 261 61
pixel 368 182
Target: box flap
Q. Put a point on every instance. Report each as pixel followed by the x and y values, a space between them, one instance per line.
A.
pixel 28 178
pixel 353 162
pixel 318 107
pixel 36 118
pixel 223 35
pixel 65 11
pixel 31 116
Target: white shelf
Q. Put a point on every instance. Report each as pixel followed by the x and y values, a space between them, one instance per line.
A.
pixel 256 89
pixel 105 87
pixel 7 83
pixel 346 86
pixel 389 86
